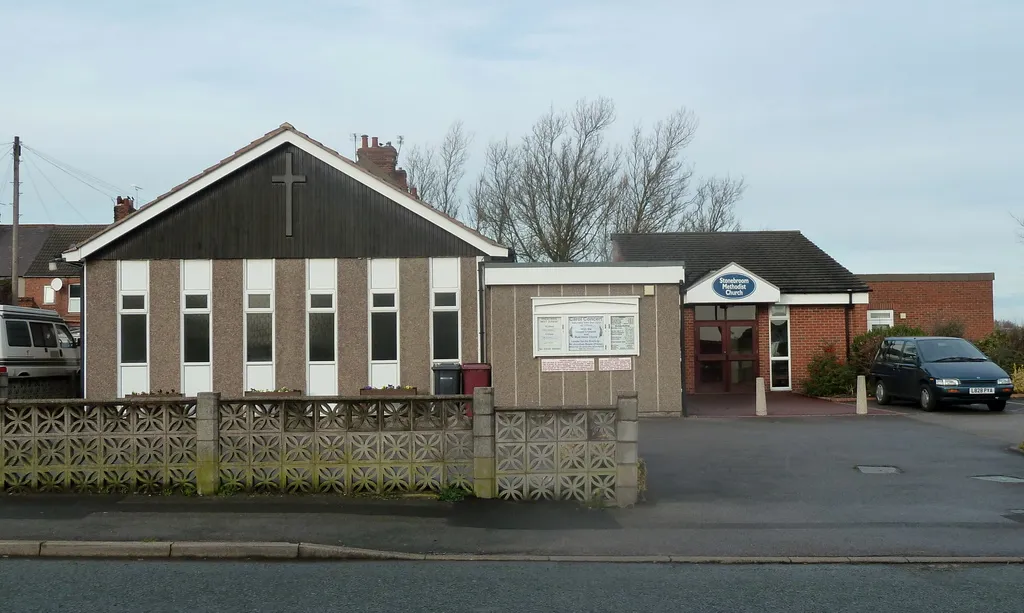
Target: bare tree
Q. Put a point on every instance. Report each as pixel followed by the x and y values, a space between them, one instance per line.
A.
pixel 1020 221
pixel 713 206
pixel 655 177
pixel 491 199
pixel 436 172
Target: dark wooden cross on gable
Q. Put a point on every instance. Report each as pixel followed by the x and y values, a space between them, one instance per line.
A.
pixel 288 179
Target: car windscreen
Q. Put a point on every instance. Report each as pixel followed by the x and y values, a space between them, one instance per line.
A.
pixel 948 350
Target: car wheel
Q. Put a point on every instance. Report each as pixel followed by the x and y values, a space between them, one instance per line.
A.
pixel 881 394
pixel 928 399
pixel 996 405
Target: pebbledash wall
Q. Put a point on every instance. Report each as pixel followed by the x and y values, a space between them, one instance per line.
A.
pixel 533 311
pixel 290 368
pixel 926 300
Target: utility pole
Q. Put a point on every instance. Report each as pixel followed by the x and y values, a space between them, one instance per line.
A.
pixel 14 222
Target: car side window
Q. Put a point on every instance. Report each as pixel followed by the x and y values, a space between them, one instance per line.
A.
pixel 64 338
pixel 883 351
pixel 910 352
pixel 17 334
pixel 895 352
pixel 43 335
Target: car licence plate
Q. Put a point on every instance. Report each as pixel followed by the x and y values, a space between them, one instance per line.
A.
pixel 983 390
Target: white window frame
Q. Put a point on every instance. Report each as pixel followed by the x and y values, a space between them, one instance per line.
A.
pixel 322 279
pixel 439 284
pixel 196 280
pixel 49 296
pixel 888 320
pixel 250 288
pixel 606 307
pixel 383 372
pixel 133 280
pixel 773 315
pixel 75 304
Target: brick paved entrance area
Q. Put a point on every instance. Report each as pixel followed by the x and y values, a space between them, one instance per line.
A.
pixel 780 404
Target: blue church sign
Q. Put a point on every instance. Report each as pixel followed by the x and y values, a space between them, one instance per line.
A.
pixel 734 287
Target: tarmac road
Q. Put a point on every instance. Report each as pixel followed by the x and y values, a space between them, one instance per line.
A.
pixel 36 586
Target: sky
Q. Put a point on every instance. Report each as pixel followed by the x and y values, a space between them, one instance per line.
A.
pixel 890 132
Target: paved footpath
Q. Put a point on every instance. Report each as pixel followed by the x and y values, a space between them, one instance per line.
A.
pixel 743 487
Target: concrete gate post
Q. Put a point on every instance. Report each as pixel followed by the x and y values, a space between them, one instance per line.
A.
pixel 483 443
pixel 626 452
pixel 207 443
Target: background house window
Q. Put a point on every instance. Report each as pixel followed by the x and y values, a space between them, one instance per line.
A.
pixel 49 296
pixel 880 320
pixel 781 376
pixel 75 298
pixel 445 310
pixel 586 327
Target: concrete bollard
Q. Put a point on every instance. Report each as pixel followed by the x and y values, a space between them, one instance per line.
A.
pixel 760 404
pixel 862 395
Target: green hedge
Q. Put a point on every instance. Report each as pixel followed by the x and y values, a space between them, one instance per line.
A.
pixel 1005 347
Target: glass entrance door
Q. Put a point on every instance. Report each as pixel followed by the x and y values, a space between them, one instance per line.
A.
pixel 726 348
pixel 742 357
pixel 711 352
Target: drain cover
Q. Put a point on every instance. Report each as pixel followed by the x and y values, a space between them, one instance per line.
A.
pixel 999 478
pixel 878 470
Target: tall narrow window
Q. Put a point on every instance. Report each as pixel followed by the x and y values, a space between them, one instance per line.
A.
pixel 779 348
pixel 384 341
pixel 75 298
pixel 133 327
pixel 444 309
pixel 259 324
pixel 49 296
pixel 321 317
pixel 196 333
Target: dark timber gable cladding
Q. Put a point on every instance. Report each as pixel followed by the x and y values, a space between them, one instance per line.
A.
pixel 243 216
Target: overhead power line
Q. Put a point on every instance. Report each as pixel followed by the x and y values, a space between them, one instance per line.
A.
pixel 104 187
pixel 62 197
pixel 42 202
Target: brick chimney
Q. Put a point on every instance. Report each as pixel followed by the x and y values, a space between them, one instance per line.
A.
pixel 384 157
pixel 124 207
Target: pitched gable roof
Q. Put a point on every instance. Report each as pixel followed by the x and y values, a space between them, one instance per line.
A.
pixel 61 238
pixel 286 133
pixel 787 259
pixel 31 238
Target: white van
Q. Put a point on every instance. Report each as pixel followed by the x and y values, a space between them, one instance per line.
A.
pixel 37 343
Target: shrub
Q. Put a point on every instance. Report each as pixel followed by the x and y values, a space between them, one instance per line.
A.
pixel 827 375
pixel 951 327
pixel 1018 378
pixel 864 347
pixel 1005 347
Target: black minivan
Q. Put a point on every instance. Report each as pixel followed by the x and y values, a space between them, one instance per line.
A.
pixel 934 369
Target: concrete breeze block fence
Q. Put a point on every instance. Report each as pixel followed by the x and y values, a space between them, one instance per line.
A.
pixel 344 445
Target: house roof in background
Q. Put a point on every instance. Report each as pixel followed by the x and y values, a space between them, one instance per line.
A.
pixel 60 239
pixel 785 258
pixel 31 238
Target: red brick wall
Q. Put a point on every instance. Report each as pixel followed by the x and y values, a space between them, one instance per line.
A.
pixel 34 290
pixel 688 344
pixel 927 303
pixel 811 328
